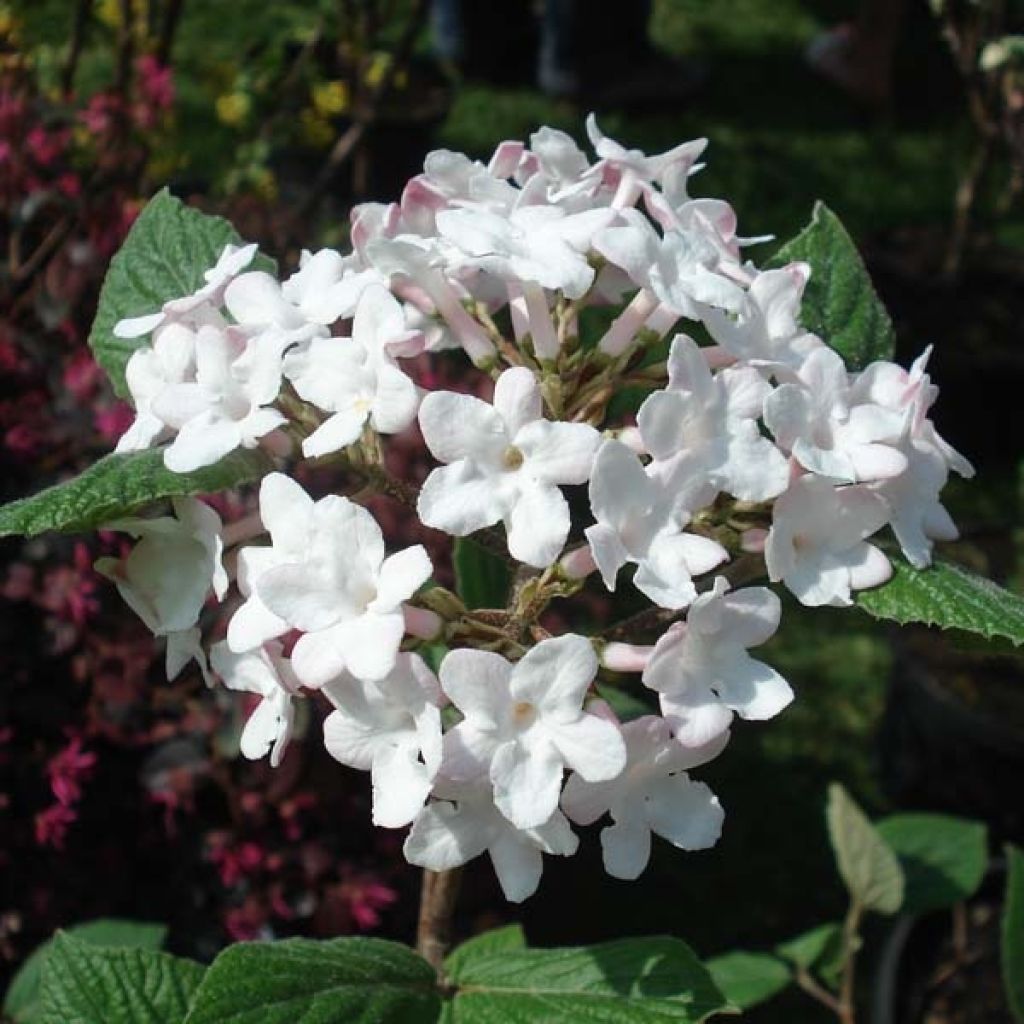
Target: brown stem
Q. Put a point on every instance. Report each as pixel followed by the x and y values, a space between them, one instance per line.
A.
pixel 168 30
pixel 440 890
pixel 816 991
pixel 846 1010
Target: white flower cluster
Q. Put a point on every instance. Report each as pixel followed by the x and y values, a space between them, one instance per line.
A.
pixel 760 443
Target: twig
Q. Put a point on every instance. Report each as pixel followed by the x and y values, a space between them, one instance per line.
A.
pixel 67 77
pixel 846 1010
pixel 440 890
pixel 168 30
pixel 816 991
pixel 125 49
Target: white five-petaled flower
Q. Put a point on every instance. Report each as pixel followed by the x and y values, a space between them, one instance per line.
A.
pixel 654 793
pixel 326 575
pixel 266 673
pixel 391 728
pixel 504 464
pixel 524 724
pixel 169 574
pixel 703 672
pixel 712 423
pixel 816 418
pixel 356 379
pixel 464 823
pixel 817 544
pixel 640 519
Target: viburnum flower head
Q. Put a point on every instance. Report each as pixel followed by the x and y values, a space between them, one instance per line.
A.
pixel 504 464
pixel 523 724
pixel 703 672
pixel 326 575
pixel 391 728
pixel 653 794
pixel 266 673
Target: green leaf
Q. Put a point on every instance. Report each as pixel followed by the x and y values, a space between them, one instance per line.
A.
pixel 164 256
pixel 747 979
pixel 301 981
pixel 626 705
pixel 1013 932
pixel 482 579
pixel 639 981
pixel 498 940
pixel 943 858
pixel 839 304
pixel 867 865
pixel 119 485
pixel 948 596
pixel 87 984
pixel 21 1002
pixel 817 948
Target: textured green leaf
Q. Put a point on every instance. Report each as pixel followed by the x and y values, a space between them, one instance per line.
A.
pixel 482 579
pixel 747 979
pixel 498 940
pixel 300 981
pixel 21 1002
pixel 867 865
pixel 164 256
pixel 814 948
pixel 87 984
pixel 639 981
pixel 1013 932
pixel 121 484
pixel 948 596
pixel 943 858
pixel 839 304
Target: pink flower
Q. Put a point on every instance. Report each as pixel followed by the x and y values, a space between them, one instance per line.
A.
pixel 68 770
pixel 113 420
pixel 365 897
pixel 52 825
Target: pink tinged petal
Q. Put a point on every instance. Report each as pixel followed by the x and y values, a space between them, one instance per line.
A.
pixel 868 567
pixel 458 500
pixel 558 453
pixel 401 575
pixel 786 411
pixel 754 690
pixel 478 684
pixel 876 461
pixel 555 675
pixel 317 658
pixel 396 402
pixel 401 785
pixel 517 398
pixel 444 836
pixel 371 644
pixel 585 802
pixel 379 319
pixel 684 812
pixel 462 427
pixel 688 369
pixel 860 513
pixel 591 746
pixel 608 552
pixel 626 848
pixel 696 718
pixel 202 441
pixel 336 432
pixel 527 778
pixel 751 616
pixel 821 581
pixel 518 865
pixel 537 525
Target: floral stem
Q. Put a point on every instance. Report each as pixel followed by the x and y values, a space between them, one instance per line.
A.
pixel 439 891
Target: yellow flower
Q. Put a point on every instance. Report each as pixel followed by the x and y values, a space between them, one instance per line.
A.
pixel 330 98
pixel 316 129
pixel 233 108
